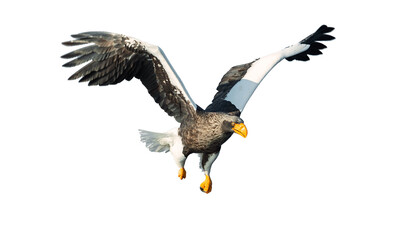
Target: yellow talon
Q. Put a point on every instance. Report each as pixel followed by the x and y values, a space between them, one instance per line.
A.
pixel 206 186
pixel 182 173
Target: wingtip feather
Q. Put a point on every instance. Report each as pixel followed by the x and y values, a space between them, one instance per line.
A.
pixel 313 42
pixel 75 42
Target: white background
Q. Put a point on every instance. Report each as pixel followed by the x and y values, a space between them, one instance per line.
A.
pixel 317 163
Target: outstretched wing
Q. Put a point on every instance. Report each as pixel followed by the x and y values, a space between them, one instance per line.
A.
pixel 114 57
pixel 239 83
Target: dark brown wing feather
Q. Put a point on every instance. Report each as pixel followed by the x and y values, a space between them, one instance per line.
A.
pixel 113 57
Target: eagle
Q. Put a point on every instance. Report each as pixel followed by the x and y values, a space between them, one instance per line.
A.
pixel 111 58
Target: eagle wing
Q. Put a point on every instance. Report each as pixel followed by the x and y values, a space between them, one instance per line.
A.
pixel 114 57
pixel 240 82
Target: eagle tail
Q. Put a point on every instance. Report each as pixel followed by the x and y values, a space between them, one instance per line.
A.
pixel 155 142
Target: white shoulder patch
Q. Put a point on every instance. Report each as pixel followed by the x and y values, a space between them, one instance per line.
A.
pixel 243 90
pixel 241 93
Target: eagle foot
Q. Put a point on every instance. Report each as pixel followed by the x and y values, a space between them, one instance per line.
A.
pixel 206 186
pixel 182 173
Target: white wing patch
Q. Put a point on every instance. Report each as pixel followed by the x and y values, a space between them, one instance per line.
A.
pixel 243 90
pixel 237 95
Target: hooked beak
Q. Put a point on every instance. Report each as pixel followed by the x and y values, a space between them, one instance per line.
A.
pixel 240 129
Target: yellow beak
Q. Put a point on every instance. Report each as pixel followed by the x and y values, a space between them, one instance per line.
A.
pixel 240 129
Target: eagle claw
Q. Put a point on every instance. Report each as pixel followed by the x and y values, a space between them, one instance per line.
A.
pixel 182 173
pixel 206 186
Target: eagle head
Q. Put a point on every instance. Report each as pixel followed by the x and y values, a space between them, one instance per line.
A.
pixel 234 124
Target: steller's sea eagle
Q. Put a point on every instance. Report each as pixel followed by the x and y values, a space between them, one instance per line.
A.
pixel 114 57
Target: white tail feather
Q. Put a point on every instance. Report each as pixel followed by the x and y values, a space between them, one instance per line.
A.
pixel 156 142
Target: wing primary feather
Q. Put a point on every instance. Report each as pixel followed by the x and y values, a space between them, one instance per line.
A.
pixel 92 66
pixel 80 60
pixel 76 42
pixel 78 52
pixel 314 46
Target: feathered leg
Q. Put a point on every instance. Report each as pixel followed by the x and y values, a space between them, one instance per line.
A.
pixel 205 164
pixel 182 171
pixel 176 149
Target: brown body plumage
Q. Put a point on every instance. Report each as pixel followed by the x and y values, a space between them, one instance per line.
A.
pixel 204 132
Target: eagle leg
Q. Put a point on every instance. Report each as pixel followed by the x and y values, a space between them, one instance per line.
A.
pixel 182 173
pixel 206 186
pixel 206 162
